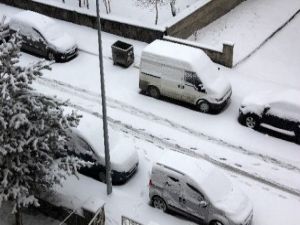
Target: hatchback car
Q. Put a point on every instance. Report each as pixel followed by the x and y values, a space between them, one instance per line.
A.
pixel 87 142
pixel 197 190
pixel 276 111
pixel 42 36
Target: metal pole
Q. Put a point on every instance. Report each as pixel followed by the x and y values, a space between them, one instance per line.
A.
pixel 105 131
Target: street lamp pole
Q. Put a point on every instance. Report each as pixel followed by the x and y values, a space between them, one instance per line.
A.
pixel 103 100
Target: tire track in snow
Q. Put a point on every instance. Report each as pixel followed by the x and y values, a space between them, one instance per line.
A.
pixel 112 103
pixel 164 143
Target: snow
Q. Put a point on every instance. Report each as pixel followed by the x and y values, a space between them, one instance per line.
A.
pixel 248 25
pixel 123 156
pixel 167 53
pixel 164 126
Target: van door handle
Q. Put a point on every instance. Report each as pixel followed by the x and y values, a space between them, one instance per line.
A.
pixel 178 86
pixel 182 87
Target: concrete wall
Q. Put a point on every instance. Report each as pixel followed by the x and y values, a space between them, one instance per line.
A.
pixel 224 57
pixel 201 17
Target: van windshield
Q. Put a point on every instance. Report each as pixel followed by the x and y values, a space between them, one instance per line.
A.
pixel 207 74
pixel 52 32
pixel 217 186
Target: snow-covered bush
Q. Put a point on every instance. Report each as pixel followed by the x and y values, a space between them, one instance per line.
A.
pixel 33 133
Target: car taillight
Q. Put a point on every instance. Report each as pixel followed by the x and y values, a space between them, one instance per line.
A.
pixel 150 182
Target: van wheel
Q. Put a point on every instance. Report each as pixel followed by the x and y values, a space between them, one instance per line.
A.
pixel 153 92
pixel 203 106
pixel 159 203
pixel 51 56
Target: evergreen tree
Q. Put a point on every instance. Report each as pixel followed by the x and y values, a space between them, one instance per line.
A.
pixel 33 133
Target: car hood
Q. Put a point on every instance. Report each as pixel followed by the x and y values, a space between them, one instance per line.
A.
pixel 123 157
pixel 63 43
pixel 236 205
pixel 256 102
pixel 219 87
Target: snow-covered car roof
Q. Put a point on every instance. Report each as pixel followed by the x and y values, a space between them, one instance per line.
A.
pixel 36 20
pixel 122 154
pixel 161 51
pixel 187 165
pixel 289 96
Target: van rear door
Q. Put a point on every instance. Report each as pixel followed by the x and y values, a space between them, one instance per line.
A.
pixel 171 81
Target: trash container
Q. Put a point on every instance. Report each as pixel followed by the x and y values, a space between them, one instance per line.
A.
pixel 122 53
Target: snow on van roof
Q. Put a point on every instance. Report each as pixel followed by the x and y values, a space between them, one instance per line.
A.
pixel 168 52
pixel 33 19
pixel 193 168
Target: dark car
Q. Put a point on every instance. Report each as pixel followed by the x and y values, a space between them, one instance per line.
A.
pixel 42 36
pixel 124 159
pixel 278 112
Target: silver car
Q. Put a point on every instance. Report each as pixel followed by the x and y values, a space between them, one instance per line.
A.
pixel 197 190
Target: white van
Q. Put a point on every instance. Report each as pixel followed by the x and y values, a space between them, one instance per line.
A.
pixel 183 73
pixel 198 190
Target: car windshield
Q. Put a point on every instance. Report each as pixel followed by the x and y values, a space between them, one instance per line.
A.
pixel 217 186
pixel 52 32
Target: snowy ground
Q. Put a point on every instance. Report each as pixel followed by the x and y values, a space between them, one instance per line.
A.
pixel 130 11
pixel 155 126
pixel 251 22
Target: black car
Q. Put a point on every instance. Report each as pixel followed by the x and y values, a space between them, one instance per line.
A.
pixel 42 36
pixel 278 112
pixel 124 159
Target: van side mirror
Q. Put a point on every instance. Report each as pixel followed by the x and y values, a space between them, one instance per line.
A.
pixel 201 88
pixel 266 109
pixel 203 204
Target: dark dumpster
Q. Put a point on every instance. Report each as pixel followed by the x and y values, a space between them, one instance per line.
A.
pixel 122 53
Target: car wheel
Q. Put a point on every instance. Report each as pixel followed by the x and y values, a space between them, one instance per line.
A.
pixel 215 222
pixel 159 203
pixel 51 56
pixel 251 121
pixel 204 106
pixel 153 92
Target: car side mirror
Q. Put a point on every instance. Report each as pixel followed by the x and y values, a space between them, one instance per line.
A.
pixel 203 204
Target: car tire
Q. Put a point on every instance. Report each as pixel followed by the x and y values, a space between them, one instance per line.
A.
pixel 51 56
pixel 215 222
pixel 154 92
pixel 251 121
pixel 159 203
pixel 203 106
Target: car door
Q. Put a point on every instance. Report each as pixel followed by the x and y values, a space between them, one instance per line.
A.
pixel 173 193
pixel 280 115
pixel 171 81
pixel 192 87
pixel 39 43
pixel 196 204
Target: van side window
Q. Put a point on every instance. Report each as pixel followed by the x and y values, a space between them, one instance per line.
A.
pixel 193 192
pixel 192 78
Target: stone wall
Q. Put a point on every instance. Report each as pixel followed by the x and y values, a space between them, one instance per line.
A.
pixel 201 17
